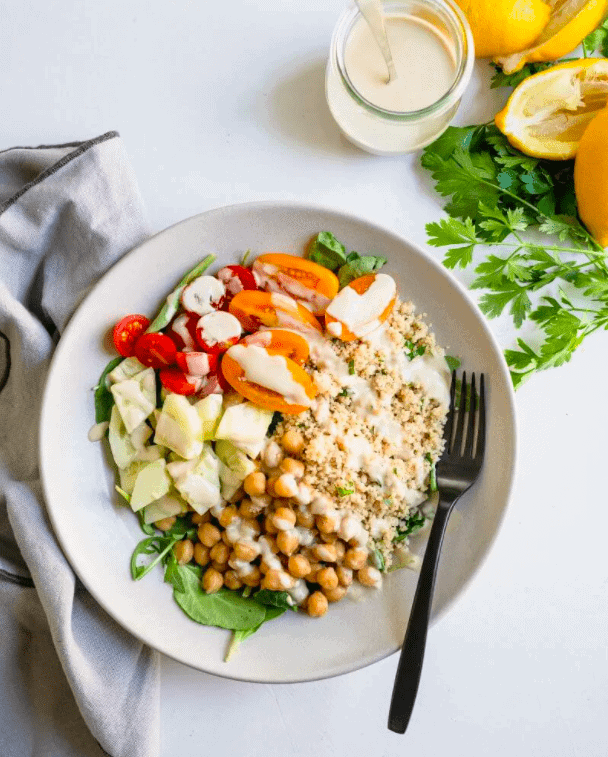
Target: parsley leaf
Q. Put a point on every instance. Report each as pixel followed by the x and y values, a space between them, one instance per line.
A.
pixel 597 41
pixel 411 525
pixel 413 349
pixel 453 362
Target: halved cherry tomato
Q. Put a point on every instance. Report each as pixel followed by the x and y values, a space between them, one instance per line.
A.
pixel 127 331
pixel 214 383
pixel 155 350
pixel 263 396
pixel 196 363
pixel 176 381
pixel 217 331
pixel 255 309
pixel 182 331
pixel 281 342
pixel 297 277
pixel 203 295
pixel 236 278
pixel 360 286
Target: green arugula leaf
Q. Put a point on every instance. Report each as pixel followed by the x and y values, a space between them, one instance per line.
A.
pixel 327 251
pixel 104 399
pixel 412 524
pixel 359 265
pixel 454 363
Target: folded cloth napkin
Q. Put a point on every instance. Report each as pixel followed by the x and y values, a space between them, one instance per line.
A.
pixel 72 682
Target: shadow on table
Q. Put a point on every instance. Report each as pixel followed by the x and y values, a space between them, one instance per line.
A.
pixel 297 109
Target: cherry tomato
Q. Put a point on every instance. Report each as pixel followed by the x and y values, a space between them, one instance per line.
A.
pixel 236 278
pixel 182 331
pixel 272 309
pixel 196 363
pixel 212 384
pixel 204 295
pixel 127 331
pixel 281 342
pixel 337 329
pixel 216 332
pixel 155 350
pixel 176 381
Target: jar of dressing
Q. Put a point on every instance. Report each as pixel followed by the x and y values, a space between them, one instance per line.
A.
pixel 432 48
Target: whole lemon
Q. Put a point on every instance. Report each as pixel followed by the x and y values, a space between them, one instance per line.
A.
pixel 504 27
pixel 591 177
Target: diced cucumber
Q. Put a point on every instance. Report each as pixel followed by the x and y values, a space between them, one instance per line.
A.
pixel 129 367
pixel 165 507
pixel 152 483
pixel 229 481
pixel 128 475
pixel 210 411
pixel 135 398
pixel 245 425
pixel 198 481
pixel 179 427
pixel 123 449
pixel 234 458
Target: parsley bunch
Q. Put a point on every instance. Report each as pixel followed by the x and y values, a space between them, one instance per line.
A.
pixel 545 268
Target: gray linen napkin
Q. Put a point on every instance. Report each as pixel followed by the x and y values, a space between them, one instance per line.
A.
pixel 71 679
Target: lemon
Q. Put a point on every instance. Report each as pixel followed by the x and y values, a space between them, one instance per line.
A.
pixel 570 22
pixel 504 27
pixel 591 177
pixel 548 113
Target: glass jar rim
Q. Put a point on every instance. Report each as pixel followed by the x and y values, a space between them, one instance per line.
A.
pixel 466 54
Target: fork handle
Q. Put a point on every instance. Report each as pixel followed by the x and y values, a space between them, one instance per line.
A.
pixel 412 651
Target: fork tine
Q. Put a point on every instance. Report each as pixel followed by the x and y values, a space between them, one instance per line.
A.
pixel 462 408
pixel 468 446
pixel 481 431
pixel 449 424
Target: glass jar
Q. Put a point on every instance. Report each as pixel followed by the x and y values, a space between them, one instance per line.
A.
pixel 387 132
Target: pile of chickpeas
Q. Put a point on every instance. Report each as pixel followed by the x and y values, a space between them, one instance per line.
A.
pixel 255 541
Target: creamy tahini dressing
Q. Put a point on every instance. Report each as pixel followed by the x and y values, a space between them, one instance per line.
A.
pixel 270 371
pixel 274 280
pixel 360 312
pixel 219 327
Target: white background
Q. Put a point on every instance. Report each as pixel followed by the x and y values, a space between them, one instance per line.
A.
pixel 222 103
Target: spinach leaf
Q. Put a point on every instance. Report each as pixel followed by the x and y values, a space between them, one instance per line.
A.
pixel 359 265
pixel 274 599
pixel 327 251
pixel 104 399
pixel 238 637
pixel 225 608
pixel 412 525
pixel 171 305
pixel 154 545
pixel 453 362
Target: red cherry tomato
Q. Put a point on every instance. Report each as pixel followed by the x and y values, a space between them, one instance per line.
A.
pixel 224 385
pixel 155 350
pixel 182 330
pixel 196 363
pixel 235 278
pixel 127 331
pixel 216 332
pixel 212 384
pixel 176 381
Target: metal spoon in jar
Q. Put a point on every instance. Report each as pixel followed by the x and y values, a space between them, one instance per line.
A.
pixel 372 12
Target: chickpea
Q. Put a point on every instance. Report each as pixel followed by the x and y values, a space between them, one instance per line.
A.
pixel 292 442
pixel 293 466
pixel 271 542
pixel 270 482
pixel 201 554
pixel 326 524
pixel 220 552
pixel 255 484
pixel 298 566
pixel 285 485
pixel 248 509
pixel 250 527
pixel 355 558
pixel 221 567
pixel 345 575
pixel 315 567
pixel 272 455
pixel 277 580
pixel 232 580
pixel 340 550
pixel 305 518
pixel 288 541
pixel 164 524
pixel 329 538
pixel 369 576
pixel 316 604
pixel 284 519
pixel 213 581
pixel 183 551
pixel 253 577
pixel 227 515
pixel 324 552
pixel 198 519
pixel 226 538
pixel 246 551
pixel 327 578
pixel 334 595
pixel 208 534
pixel 269 527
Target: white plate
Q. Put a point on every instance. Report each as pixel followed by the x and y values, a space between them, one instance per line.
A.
pixel 98 534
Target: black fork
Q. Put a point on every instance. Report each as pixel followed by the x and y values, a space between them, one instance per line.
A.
pixel 457 470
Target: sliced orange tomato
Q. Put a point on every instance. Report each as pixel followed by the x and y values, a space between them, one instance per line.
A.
pixel 281 342
pixel 255 309
pixel 261 395
pixel 297 277
pixel 360 286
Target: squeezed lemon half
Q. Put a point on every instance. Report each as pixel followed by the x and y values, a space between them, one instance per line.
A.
pixel 548 113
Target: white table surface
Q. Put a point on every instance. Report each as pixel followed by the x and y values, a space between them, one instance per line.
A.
pixel 224 103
